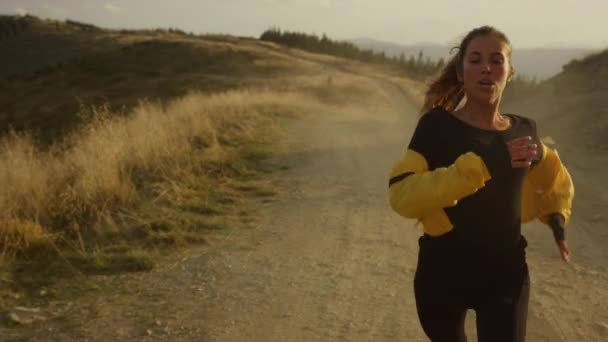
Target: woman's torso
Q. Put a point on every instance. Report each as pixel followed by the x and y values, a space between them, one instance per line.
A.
pixel 486 224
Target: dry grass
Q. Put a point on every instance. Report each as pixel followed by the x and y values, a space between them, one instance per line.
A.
pixel 174 153
pixel 18 235
pixel 46 191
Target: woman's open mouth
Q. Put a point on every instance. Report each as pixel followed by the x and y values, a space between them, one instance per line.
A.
pixel 486 84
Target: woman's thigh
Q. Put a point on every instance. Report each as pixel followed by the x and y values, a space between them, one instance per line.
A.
pixel 440 311
pixel 502 317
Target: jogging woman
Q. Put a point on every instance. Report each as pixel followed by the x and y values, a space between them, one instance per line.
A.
pixel 471 175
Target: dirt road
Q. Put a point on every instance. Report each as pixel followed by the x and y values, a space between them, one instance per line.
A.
pixel 328 260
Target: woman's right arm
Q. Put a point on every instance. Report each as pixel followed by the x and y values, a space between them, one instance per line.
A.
pixel 416 191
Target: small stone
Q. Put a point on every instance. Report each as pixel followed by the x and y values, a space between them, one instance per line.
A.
pixel 16 319
pixel 24 316
pixel 43 292
pixel 26 310
pixel 149 332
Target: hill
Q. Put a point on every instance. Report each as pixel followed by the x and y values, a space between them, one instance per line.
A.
pixel 29 43
pixel 573 103
pixel 56 69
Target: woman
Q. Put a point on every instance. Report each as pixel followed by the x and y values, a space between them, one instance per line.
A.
pixel 472 175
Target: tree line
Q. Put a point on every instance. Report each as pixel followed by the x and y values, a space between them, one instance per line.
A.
pixel 419 67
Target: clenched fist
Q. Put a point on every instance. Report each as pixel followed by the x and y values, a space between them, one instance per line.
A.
pixel 523 151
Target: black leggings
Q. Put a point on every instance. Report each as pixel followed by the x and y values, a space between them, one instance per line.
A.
pixel 500 304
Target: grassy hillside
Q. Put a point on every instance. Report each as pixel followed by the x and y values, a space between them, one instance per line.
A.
pixel 56 68
pixel 29 43
pixel 573 104
pixel 148 142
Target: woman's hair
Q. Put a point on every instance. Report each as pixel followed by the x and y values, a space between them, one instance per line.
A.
pixel 446 90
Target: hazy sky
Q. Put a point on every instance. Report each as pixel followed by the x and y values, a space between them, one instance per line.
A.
pixel 528 23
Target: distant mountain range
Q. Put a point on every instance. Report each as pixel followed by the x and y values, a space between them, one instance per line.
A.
pixel 541 63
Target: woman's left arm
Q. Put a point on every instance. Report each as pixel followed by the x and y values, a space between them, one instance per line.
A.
pixel 548 194
pixel 557 224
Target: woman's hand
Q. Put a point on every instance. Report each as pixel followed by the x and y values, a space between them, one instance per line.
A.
pixel 564 251
pixel 522 150
pixel 557 222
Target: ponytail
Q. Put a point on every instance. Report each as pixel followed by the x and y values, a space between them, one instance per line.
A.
pixel 446 90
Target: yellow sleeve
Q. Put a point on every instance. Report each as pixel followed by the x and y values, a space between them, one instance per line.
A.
pixel 416 191
pixel 548 189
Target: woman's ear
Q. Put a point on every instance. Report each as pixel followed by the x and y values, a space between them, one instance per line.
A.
pixel 511 74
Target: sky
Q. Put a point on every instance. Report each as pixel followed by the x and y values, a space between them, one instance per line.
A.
pixel 527 23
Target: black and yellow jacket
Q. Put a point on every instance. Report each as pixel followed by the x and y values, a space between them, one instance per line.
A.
pixel 456 176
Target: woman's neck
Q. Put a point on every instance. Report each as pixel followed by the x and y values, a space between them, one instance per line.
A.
pixel 483 115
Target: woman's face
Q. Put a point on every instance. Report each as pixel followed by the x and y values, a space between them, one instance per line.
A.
pixel 486 69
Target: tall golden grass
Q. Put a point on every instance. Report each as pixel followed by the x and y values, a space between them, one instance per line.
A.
pixel 72 189
pixel 45 192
